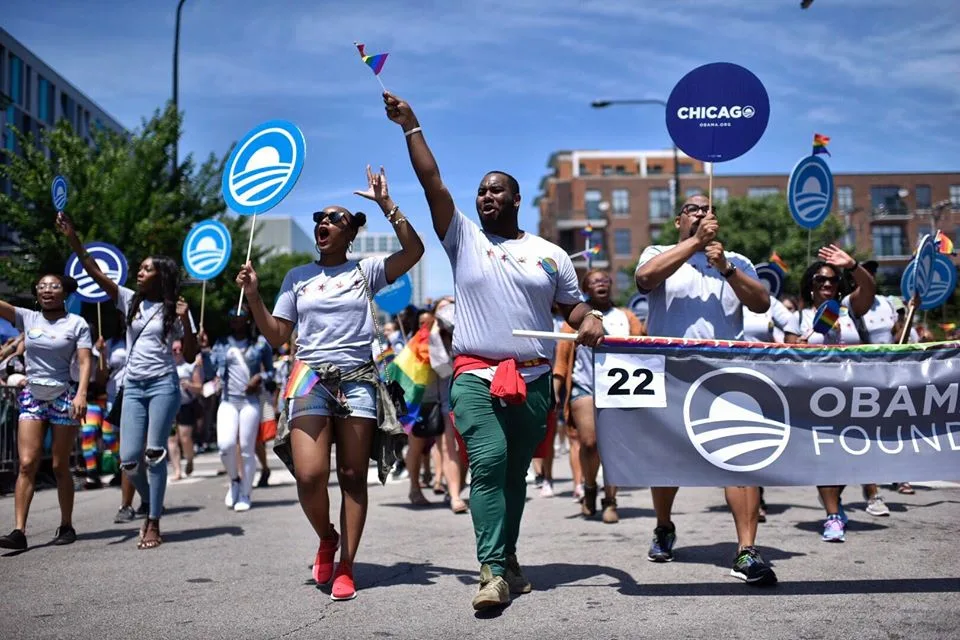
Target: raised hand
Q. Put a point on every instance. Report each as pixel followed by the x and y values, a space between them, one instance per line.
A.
pixel 834 255
pixel 377 189
pixel 399 111
pixel 182 308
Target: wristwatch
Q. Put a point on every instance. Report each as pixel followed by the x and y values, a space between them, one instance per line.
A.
pixel 729 272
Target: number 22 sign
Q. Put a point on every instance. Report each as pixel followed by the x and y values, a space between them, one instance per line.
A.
pixel 624 381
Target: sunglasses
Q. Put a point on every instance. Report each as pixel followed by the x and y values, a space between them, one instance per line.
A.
pixel 822 280
pixel 693 208
pixel 333 216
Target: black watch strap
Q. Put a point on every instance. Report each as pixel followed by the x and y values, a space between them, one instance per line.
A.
pixel 730 271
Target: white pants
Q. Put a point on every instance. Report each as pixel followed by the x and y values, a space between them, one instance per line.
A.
pixel 237 417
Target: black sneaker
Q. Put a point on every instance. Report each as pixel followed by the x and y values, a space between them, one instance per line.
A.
pixel 661 549
pixel 538 480
pixel 751 568
pixel 15 540
pixel 65 535
pixel 264 478
pixel 125 514
pixel 144 509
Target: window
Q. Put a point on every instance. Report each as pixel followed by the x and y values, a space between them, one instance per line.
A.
pixel 655 234
pixel 383 243
pixel 762 192
pixel 685 168
pixel 607 170
pixel 845 198
pixel 16 79
pixel 28 90
pixel 592 204
pixel 623 282
pixel 721 195
pixel 955 196
pixel 660 208
pixel 850 237
pixel 45 104
pixel 887 199
pixel 924 196
pixel 655 170
pixel 689 192
pixel 621 243
pixel 621 170
pixel 582 170
pixel 888 241
pixel 621 202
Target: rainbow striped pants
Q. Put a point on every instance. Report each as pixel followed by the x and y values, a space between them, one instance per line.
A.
pixel 97 433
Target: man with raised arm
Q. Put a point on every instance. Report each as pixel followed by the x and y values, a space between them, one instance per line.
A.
pixel 504 279
pixel 697 290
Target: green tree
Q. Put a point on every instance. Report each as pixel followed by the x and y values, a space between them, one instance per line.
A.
pixel 122 190
pixel 755 227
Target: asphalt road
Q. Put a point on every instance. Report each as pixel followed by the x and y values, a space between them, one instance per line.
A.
pixel 222 574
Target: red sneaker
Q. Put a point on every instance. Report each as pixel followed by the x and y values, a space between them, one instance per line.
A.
pixel 323 563
pixel 343 587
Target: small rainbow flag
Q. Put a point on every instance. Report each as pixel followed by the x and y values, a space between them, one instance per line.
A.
pixel 301 381
pixel 587 230
pixel 948 327
pixel 375 62
pixel 820 143
pixel 827 317
pixel 944 243
pixel 777 260
pixel 595 249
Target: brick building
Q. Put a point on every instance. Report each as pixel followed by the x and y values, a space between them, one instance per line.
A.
pixel 625 196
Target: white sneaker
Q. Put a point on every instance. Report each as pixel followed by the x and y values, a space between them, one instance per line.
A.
pixel 546 490
pixel 876 507
pixel 577 493
pixel 233 493
pixel 242 504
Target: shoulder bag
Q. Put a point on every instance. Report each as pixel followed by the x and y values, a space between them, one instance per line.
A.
pixel 115 411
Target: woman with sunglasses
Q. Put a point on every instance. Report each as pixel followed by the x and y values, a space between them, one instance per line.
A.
pixel 244 365
pixel 329 302
pixel 828 279
pixel 53 338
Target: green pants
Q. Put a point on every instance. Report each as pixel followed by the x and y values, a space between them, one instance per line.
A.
pixel 500 443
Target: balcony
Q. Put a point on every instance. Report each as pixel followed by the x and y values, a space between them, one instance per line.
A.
pixel 897 213
pixel 579 220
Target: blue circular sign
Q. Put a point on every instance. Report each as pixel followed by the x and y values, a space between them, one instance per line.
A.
pixel 206 251
pixel 394 298
pixel 263 168
pixel 717 112
pixel 943 281
pixel 111 262
pixel 810 192
pixel 923 272
pixel 58 191
pixel 771 275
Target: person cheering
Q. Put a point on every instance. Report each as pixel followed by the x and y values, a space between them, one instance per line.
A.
pixel 329 302
pixel 501 390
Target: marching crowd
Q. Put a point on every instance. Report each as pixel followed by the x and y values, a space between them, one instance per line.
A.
pixel 154 388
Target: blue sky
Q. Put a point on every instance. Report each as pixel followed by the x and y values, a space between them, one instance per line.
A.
pixel 500 84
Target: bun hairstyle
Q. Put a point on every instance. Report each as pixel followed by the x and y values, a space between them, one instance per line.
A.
pixel 358 219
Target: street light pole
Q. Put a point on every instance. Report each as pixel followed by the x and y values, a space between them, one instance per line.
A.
pixel 600 104
pixel 176 82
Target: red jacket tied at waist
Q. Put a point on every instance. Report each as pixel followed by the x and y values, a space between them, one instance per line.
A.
pixel 507 385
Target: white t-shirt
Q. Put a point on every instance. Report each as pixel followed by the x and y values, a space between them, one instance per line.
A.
pixel 50 348
pixel 879 321
pixel 772 325
pixel 151 356
pixel 844 333
pixel 696 301
pixel 117 362
pixel 185 372
pixel 615 323
pixel 501 285
pixel 332 311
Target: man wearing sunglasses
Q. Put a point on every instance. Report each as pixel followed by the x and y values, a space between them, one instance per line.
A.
pixel 697 290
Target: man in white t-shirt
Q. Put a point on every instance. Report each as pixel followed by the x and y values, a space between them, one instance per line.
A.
pixel 698 290
pixel 504 279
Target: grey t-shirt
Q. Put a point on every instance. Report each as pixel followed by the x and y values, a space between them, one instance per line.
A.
pixel 501 285
pixel 332 311
pixel 50 349
pixel 152 355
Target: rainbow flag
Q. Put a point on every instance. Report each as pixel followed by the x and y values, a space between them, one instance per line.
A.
pixel 944 243
pixel 301 381
pixel 375 62
pixel 777 260
pixel 820 143
pixel 948 327
pixel 595 249
pixel 411 368
pixel 827 317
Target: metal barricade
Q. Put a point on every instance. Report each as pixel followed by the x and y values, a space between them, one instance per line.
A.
pixel 9 410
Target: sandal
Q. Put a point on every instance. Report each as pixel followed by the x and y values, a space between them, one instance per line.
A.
pixel 418 499
pixel 150 535
pixel 905 489
pixel 458 506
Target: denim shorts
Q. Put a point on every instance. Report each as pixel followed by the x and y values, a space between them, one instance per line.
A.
pixel 361 396
pixel 577 392
pixel 55 412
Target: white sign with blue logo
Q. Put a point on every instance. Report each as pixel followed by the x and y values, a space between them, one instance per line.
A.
pixel 112 263
pixel 810 192
pixel 939 284
pixel 206 251
pixel 58 191
pixel 264 167
pixel 717 112
pixel 394 298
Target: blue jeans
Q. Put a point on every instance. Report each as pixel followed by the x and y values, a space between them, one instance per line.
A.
pixel 149 408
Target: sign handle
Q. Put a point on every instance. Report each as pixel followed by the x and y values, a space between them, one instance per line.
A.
pixel 253 224
pixel 809 243
pixel 546 335
pixel 709 187
pixel 203 301
pixel 100 334
pixel 908 321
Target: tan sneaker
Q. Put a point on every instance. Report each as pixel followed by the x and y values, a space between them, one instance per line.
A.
pixel 493 591
pixel 517 582
pixel 610 515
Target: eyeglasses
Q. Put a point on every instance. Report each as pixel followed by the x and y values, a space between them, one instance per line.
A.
pixel 693 208
pixel 333 216
pixel 49 286
pixel 822 280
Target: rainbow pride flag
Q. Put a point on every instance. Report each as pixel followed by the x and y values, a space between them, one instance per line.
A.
pixel 826 317
pixel 595 249
pixel 411 368
pixel 375 62
pixel 944 243
pixel 820 143
pixel 301 381
pixel 777 260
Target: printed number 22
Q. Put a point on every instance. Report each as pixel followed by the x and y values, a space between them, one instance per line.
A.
pixel 617 389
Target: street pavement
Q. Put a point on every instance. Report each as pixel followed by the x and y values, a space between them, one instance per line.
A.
pixel 221 574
